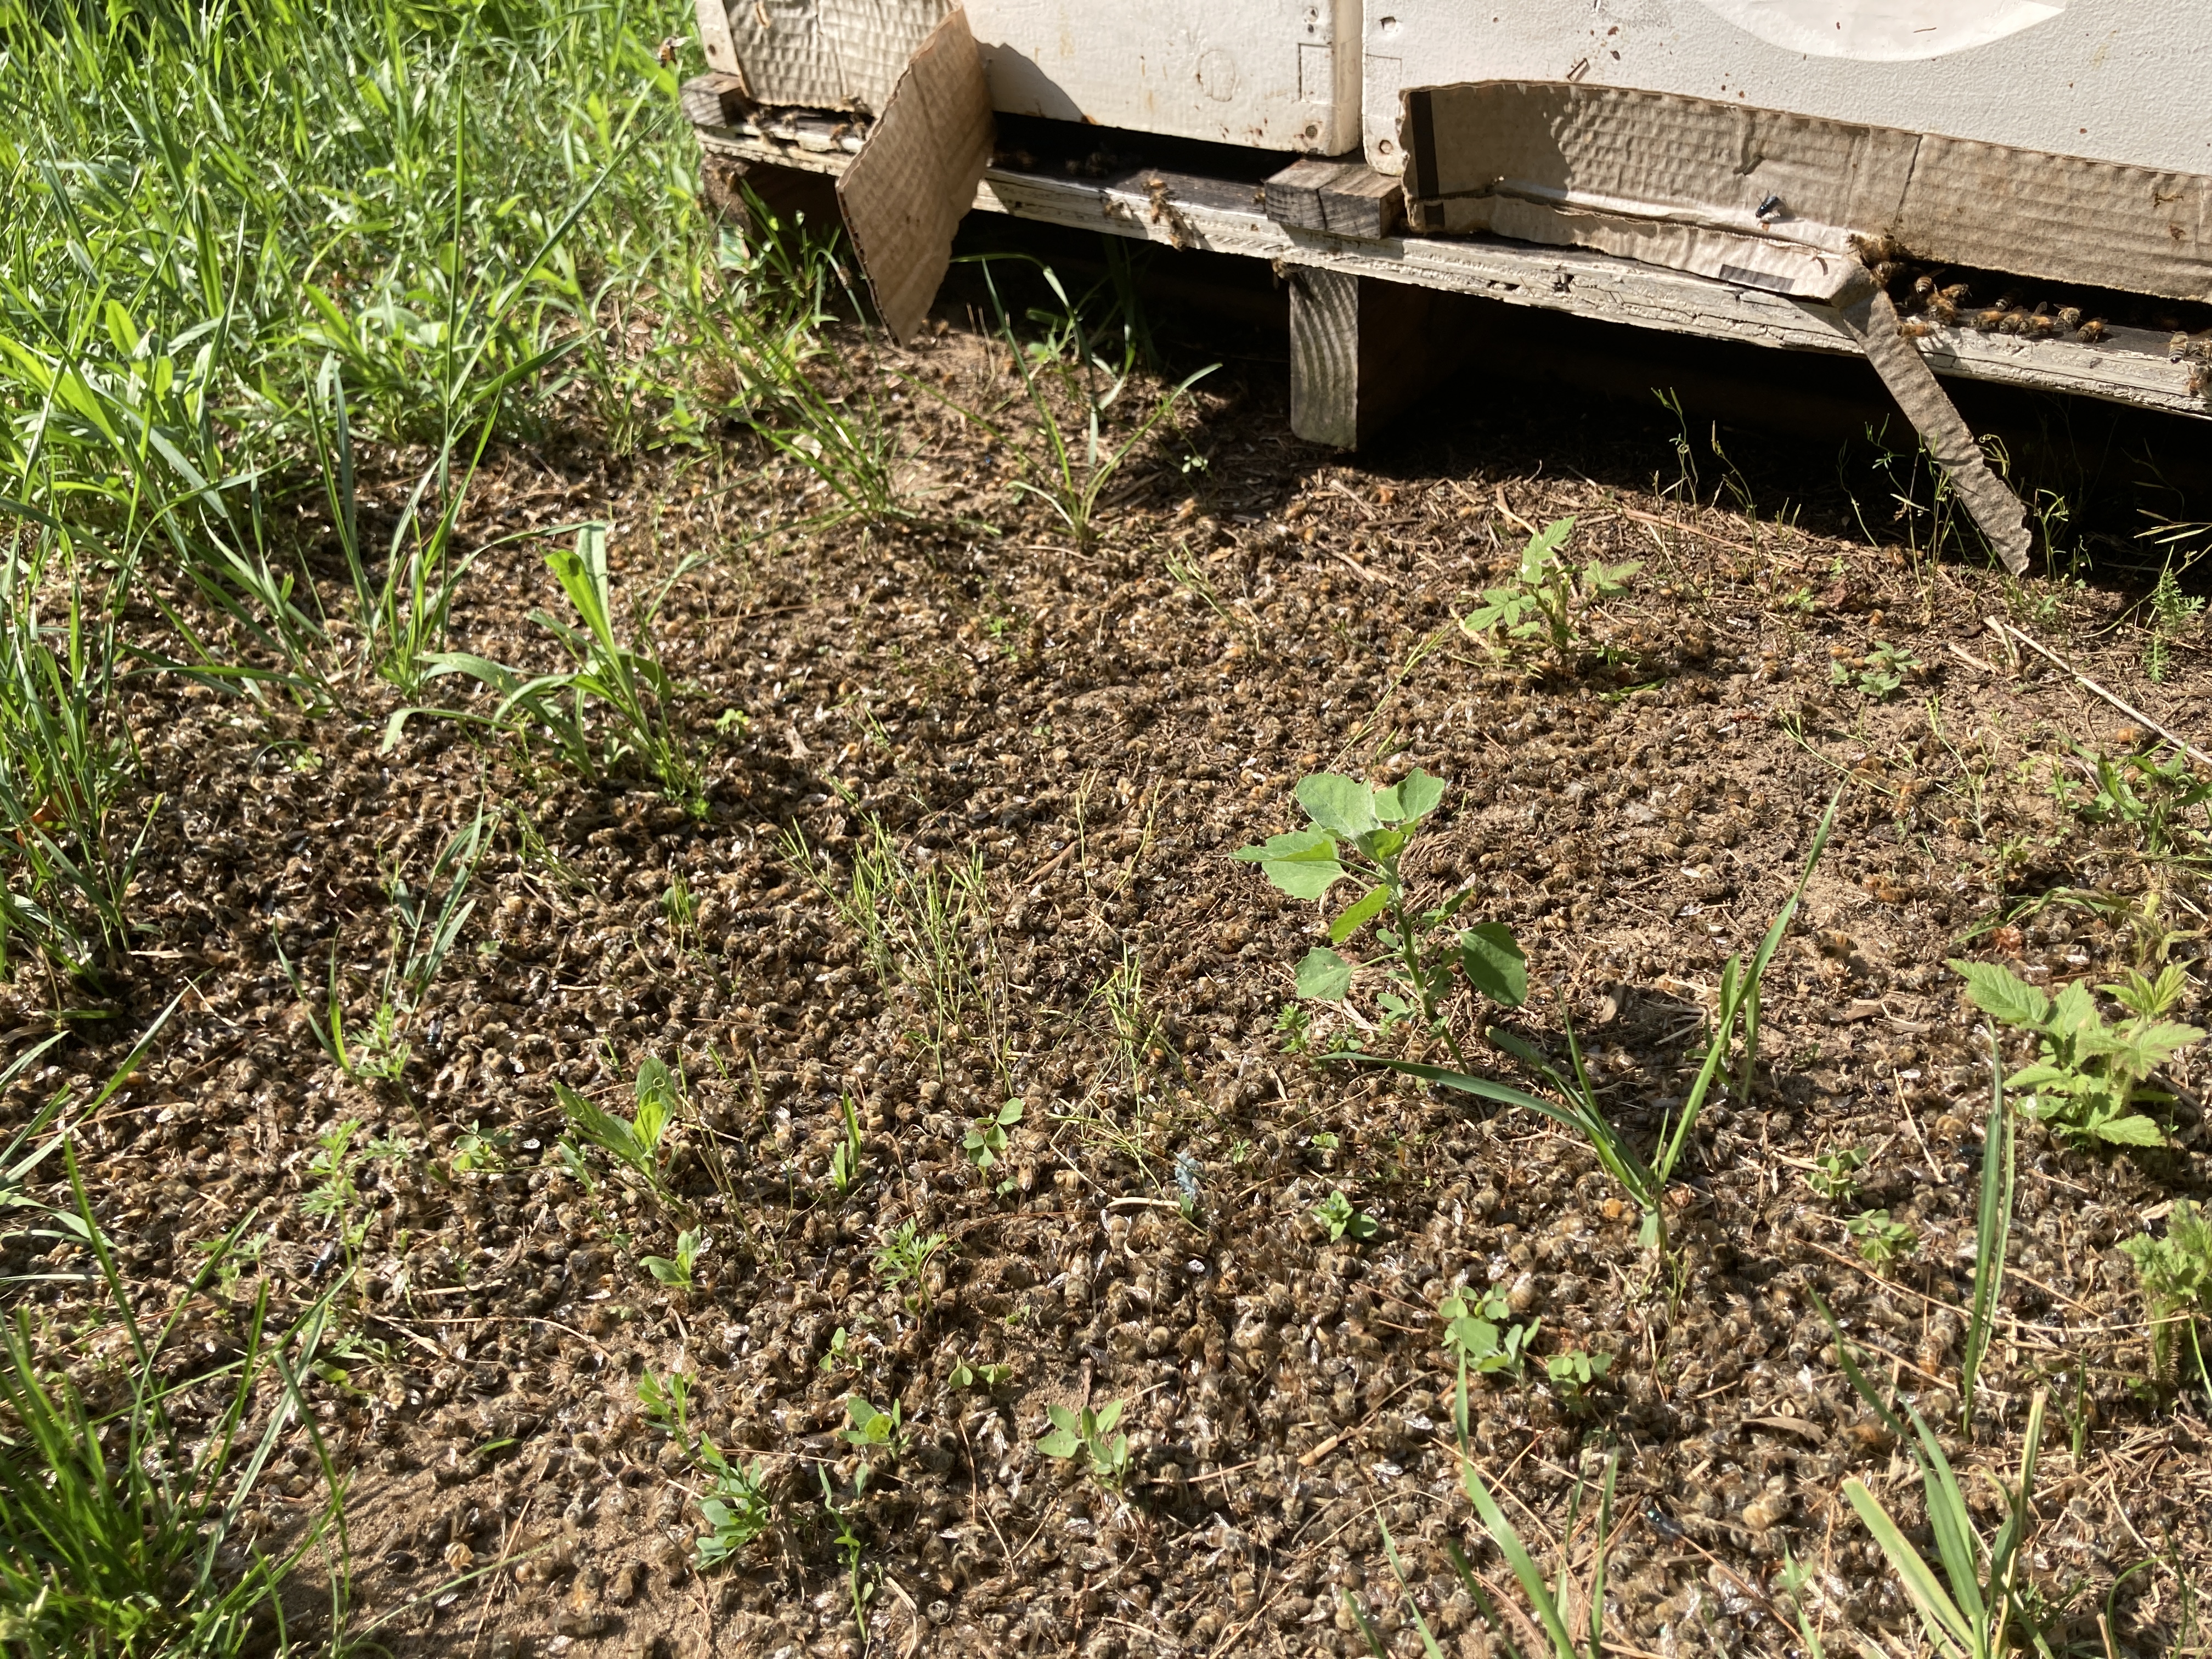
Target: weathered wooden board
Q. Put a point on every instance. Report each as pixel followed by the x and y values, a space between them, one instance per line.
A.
pixel 2132 367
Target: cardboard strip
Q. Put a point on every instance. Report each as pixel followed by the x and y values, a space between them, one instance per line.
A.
pixel 904 194
pixel 1988 499
pixel 1703 185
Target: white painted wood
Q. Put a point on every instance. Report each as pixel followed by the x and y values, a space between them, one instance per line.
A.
pixel 2131 368
pixel 1272 74
pixel 2112 80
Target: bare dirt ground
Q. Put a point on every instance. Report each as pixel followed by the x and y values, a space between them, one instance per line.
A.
pixel 1098 728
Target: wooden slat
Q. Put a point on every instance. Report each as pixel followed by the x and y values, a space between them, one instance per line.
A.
pixel 1224 217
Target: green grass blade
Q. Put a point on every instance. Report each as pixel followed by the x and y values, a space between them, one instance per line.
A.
pixel 1992 1227
pixel 1947 1629
pixel 1524 1570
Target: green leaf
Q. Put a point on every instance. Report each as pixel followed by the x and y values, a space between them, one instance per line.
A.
pixel 1107 1416
pixel 1541 546
pixel 1061 1443
pixel 2074 1009
pixel 1371 904
pixel 2002 994
pixel 1323 975
pixel 1414 797
pixel 1337 802
pixel 1064 1419
pixel 1494 963
pixel 2133 1130
pixel 1301 863
pixel 1947 1626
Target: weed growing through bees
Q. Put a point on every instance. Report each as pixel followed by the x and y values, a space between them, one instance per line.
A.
pixel 1087 1438
pixel 2154 799
pixel 1573 1372
pixel 2089 1072
pixel 985 1143
pixel 1881 1240
pixel 735 1510
pixel 1835 1173
pixel 1544 601
pixel 1340 1219
pixel 1481 1336
pixel 848 1159
pixel 674 1272
pixel 2175 614
pixel 1575 1101
pixel 1359 832
pixel 900 1259
pixel 1081 368
pixel 425 922
pixel 2176 1274
pixel 120 1523
pixel 1880 674
pixel 638 1144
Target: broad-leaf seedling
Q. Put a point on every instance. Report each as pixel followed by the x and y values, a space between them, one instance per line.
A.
pixel 2088 1072
pixel 1361 833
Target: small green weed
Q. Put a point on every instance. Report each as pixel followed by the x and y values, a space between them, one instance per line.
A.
pixel 985 1143
pixel 426 921
pixel 872 1430
pixel 1988 1600
pixel 2175 614
pixel 627 686
pixel 2154 798
pixel 1543 600
pixel 900 1259
pixel 2176 1274
pixel 1577 1105
pixel 1088 1435
pixel 1880 674
pixel 736 1509
pixel 676 1273
pixel 1881 1240
pixel 989 1378
pixel 847 1156
pixel 1834 1175
pixel 1363 833
pixel 1480 1334
pixel 1574 1372
pixel 639 1145
pixel 1072 366
pixel 1341 1221
pixel 121 1525
pixel 2089 1074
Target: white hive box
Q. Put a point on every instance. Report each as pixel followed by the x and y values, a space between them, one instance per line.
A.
pixel 2112 80
pixel 1278 75
pixel 1271 73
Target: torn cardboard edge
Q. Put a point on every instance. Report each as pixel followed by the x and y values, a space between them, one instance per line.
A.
pixel 904 196
pixel 1774 199
pixel 1989 499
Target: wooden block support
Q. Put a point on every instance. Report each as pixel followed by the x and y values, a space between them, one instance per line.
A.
pixel 1362 352
pixel 714 100
pixel 1345 199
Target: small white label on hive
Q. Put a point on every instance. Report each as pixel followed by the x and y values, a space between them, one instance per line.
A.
pixel 1884 31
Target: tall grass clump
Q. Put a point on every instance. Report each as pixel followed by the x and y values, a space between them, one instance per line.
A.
pixel 70 833
pixel 222 217
pixel 124 1503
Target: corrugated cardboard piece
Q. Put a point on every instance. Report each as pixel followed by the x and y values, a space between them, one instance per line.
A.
pixel 821 54
pixel 1936 418
pixel 1771 199
pixel 904 194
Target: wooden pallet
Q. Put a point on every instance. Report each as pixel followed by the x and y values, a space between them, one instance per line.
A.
pixel 1354 349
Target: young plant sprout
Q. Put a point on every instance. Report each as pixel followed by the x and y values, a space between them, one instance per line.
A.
pixel 1360 833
